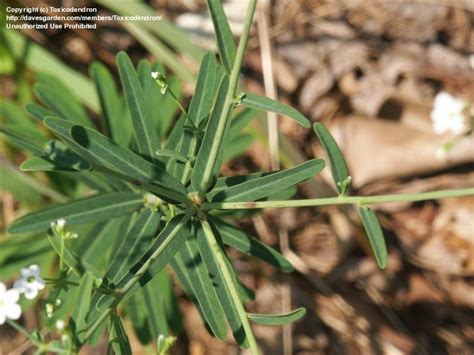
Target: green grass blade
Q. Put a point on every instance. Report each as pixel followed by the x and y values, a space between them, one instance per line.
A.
pixel 210 75
pixel 117 125
pixel 164 29
pixel 90 209
pixel 39 59
pixel 263 103
pixel 82 305
pixel 119 159
pixel 277 319
pixel 146 136
pixel 212 144
pixel 224 283
pixel 249 245
pixel 225 39
pixel 375 235
pixel 340 173
pixel 265 186
pixel 203 288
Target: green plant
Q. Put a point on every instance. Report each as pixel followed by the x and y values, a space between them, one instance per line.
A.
pixel 160 200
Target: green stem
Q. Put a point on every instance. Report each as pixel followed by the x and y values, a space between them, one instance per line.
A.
pixel 234 293
pixel 136 277
pixel 342 200
pixel 189 163
pixel 23 331
pixel 229 99
pixel 176 100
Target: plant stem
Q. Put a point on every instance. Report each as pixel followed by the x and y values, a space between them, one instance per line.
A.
pixel 23 331
pixel 176 100
pixel 342 200
pixel 229 100
pixel 189 164
pixel 223 267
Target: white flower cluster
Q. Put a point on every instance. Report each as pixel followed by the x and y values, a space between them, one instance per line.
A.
pixel 59 227
pixel 29 284
pixel 161 81
pixel 448 114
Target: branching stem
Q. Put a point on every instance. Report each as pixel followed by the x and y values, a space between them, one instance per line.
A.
pixel 341 200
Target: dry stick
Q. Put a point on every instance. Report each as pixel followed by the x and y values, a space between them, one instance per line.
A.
pixel 273 145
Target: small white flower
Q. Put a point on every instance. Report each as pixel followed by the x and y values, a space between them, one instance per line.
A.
pixel 49 309
pixel 155 74
pixel 30 282
pixel 59 225
pixel 447 114
pixel 60 324
pixel 9 307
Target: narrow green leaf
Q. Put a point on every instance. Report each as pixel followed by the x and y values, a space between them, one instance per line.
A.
pixel 82 305
pixel 154 303
pixel 212 144
pixel 137 313
pixel 152 95
pixel 225 39
pixel 375 235
pixel 22 141
pixel 265 186
pixel 63 103
pixel 146 137
pixel 162 249
pixel 263 103
pixel 43 164
pixel 56 157
pixel 117 124
pixel 203 288
pixel 13 117
pixel 249 245
pixel 71 259
pixel 340 173
pixel 172 154
pixel 278 319
pixel 119 159
pixel 118 338
pixel 37 111
pixel 210 75
pixel 223 281
pixel 241 120
pixel 23 185
pixel 134 244
pixel 38 58
pixel 90 209
pixel 237 146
